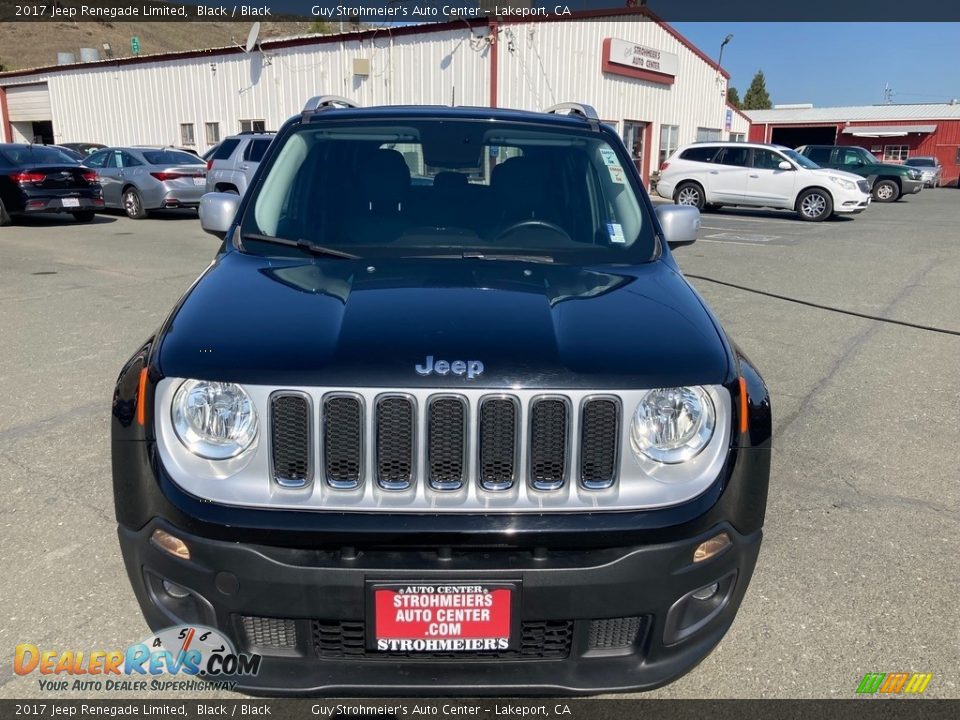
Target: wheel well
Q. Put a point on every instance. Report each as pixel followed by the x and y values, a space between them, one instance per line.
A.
pixel 220 187
pixel 892 178
pixel 824 190
pixel 127 187
pixel 681 183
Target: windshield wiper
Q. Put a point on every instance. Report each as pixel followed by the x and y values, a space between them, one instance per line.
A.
pixel 303 245
pixel 477 255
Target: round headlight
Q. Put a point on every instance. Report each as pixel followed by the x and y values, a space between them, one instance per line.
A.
pixel 673 425
pixel 214 420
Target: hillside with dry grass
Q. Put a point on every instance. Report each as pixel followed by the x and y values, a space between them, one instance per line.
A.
pixel 36 44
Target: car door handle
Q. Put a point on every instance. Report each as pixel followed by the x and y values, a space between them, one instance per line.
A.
pixel 714 172
pixel 754 176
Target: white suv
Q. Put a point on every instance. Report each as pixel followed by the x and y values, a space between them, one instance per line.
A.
pixel 710 175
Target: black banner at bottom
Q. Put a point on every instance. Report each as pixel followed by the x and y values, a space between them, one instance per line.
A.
pixel 559 708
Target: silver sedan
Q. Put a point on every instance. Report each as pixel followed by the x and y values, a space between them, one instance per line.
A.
pixel 140 179
pixel 929 167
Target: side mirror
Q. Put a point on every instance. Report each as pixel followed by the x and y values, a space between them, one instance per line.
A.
pixel 784 165
pixel 217 211
pixel 680 224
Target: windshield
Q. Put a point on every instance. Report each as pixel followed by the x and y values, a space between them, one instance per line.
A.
pixel 170 157
pixel 801 160
pixel 921 162
pixel 451 188
pixel 36 155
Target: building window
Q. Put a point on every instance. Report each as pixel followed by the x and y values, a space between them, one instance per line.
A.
pixel 213 133
pixel 896 153
pixel 186 134
pixel 257 126
pixel 738 137
pixel 669 141
pixel 708 134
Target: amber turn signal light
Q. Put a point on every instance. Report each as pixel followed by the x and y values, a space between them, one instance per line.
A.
pixel 711 547
pixel 142 398
pixel 170 544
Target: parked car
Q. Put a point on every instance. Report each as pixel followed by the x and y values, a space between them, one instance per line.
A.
pixel 84 148
pixel 139 179
pixel 493 392
pixel 42 179
pixel 930 169
pixel 888 181
pixel 69 152
pixel 232 166
pixel 713 174
pixel 209 153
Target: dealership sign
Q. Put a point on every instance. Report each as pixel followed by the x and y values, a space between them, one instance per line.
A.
pixel 645 63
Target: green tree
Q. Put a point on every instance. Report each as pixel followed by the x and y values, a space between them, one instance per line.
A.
pixel 757 97
pixel 733 97
pixel 321 28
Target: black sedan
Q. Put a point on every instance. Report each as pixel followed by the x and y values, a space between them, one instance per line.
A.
pixel 39 179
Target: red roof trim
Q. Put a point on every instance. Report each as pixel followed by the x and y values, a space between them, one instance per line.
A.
pixel 740 112
pixel 388 31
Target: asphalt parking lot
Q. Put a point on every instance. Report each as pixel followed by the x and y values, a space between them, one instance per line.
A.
pixel 858 571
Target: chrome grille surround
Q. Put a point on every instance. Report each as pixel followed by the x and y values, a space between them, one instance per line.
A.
pixel 286 451
pixel 448 431
pixel 247 480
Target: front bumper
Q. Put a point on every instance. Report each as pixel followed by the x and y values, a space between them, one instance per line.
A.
pixel 853 203
pixel 581 599
pixel 911 187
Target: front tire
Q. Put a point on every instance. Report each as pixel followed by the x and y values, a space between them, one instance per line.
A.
pixel 133 204
pixel 814 205
pixel 84 216
pixel 886 191
pixel 690 193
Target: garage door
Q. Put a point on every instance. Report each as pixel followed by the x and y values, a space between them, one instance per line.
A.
pixel 28 102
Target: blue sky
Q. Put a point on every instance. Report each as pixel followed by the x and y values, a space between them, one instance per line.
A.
pixel 838 63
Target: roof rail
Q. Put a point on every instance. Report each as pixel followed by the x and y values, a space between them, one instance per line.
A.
pixel 325 101
pixel 585 111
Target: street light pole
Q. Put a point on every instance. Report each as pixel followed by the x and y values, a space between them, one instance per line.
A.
pixel 723 91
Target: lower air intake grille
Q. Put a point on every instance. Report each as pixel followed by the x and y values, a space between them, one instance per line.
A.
pixel 543 640
pixel 290 439
pixel 342 441
pixel 612 633
pixel 395 437
pixel 548 444
pixel 265 633
pixel 447 433
pixel 599 441
pixel 498 443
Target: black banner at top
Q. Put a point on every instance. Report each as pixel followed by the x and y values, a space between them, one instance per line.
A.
pixel 420 11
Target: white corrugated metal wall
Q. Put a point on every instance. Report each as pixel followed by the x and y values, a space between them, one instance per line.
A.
pixel 545 63
pixel 539 64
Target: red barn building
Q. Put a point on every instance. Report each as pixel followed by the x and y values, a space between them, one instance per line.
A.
pixel 891 132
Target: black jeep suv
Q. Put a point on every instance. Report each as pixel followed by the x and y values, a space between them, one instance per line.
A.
pixel 443 416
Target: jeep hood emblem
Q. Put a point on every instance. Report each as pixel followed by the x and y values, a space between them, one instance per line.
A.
pixel 470 368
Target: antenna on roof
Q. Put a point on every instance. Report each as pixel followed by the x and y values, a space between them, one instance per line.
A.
pixel 252 37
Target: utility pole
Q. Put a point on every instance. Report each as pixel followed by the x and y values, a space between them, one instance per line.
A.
pixel 887 94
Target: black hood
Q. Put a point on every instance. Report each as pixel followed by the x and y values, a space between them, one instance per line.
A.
pixel 369 323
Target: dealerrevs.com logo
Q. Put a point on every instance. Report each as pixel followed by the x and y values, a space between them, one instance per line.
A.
pixel 902 683
pixel 171 659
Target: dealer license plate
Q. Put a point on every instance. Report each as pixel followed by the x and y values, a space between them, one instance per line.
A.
pixel 199 181
pixel 70 202
pixel 444 617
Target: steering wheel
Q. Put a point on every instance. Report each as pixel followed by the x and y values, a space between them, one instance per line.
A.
pixel 534 222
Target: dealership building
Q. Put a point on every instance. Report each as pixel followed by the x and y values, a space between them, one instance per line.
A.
pixel 641 75
pixel 891 132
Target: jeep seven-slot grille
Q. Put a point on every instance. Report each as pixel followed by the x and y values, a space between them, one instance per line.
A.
pixel 539 640
pixel 548 443
pixel 498 443
pixel 395 438
pixel 485 439
pixel 599 442
pixel 447 442
pixel 290 439
pixel 343 441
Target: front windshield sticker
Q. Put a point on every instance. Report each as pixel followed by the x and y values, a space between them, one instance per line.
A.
pixel 615 230
pixel 616 174
pixel 609 156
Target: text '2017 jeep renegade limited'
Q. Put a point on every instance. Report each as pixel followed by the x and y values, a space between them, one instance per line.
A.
pixel 443 416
